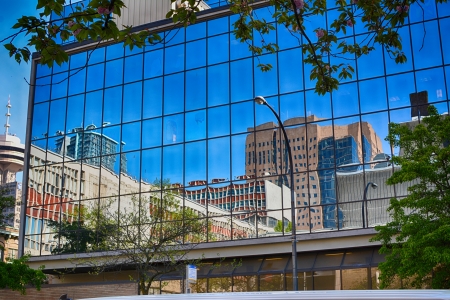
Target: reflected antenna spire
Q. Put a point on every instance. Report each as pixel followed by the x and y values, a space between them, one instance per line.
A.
pixel 8 114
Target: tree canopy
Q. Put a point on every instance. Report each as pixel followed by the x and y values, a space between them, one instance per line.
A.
pixel 331 57
pixel 417 240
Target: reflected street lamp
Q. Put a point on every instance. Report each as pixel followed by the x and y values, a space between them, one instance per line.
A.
pixel 260 100
pixel 374 186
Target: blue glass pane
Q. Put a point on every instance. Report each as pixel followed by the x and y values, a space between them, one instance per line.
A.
pixel 426 47
pixel 432 81
pixel 57 117
pixel 239 154
pixel 113 133
pixel 445 23
pixel 264 114
pixel 314 22
pixel 75 109
pixel 242 117
pixel 370 65
pixel 290 68
pixel 136 50
pixel 152 133
pixel 93 110
pixel 173 129
pixel 219 159
pixel 173 164
pixel 40 121
pixel 174 59
pixel 372 94
pixel 112 105
pixel 152 98
pixel 419 12
pixel 241 80
pixel 347 59
pixel 214 44
pixel 345 100
pixel 60 68
pixel 292 106
pixel 218 26
pixel 218 121
pixel 287 38
pixel 131 166
pixel 42 70
pixel 391 66
pixel 264 39
pixel 174 93
pixel 447 77
pixel 153 63
pixel 196 31
pixel 174 36
pixel 266 83
pixel 77 81
pixel 399 88
pixel 265 13
pixel 59 85
pixel 196 125
pixel 195 161
pixel 114 51
pixel 114 72
pixel 151 165
pixel 318 106
pixel 42 89
pixel 78 60
pixel 133 68
pixel 195 89
pixel 95 75
pixel 238 49
pixel 218 85
pixel 96 56
pixel 131 136
pixel 196 53
pixel 132 102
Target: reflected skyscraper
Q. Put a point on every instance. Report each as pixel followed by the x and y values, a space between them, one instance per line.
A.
pixel 320 149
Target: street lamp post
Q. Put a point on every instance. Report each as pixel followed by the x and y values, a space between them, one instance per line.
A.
pixel 363 212
pixel 260 100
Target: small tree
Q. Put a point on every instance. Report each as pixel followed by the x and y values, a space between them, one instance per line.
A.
pixel 417 240
pixel 15 274
pixel 150 235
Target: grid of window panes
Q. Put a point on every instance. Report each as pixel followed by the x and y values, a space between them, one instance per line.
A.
pixel 114 124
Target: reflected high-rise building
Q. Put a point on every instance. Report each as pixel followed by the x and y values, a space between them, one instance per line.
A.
pixel 11 162
pixel 89 144
pixel 320 149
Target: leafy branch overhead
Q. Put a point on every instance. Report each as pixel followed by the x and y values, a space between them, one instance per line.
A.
pixel 329 57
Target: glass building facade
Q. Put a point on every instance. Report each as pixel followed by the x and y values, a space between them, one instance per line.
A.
pixel 114 123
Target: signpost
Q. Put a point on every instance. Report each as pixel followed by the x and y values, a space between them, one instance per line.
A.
pixel 191 277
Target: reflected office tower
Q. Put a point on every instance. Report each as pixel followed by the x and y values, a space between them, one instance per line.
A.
pixel 316 151
pixel 90 145
pixel 11 162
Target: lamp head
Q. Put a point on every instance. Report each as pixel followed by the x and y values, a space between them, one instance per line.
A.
pixel 374 185
pixel 260 100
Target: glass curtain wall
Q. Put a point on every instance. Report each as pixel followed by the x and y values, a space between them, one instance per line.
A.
pixel 114 125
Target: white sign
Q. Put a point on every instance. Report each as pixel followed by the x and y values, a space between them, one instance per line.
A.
pixel 191 273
